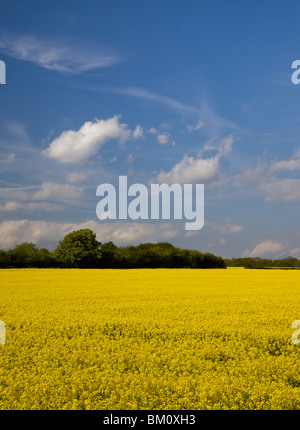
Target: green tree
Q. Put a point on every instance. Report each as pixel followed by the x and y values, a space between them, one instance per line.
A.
pixel 79 249
pixel 108 254
pixel 23 255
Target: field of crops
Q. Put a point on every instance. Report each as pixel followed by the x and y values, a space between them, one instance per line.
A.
pixel 149 339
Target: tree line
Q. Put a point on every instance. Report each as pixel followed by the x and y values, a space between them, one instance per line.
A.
pixel 81 249
pixel 263 263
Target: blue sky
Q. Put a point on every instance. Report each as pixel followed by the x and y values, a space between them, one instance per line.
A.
pixel 163 91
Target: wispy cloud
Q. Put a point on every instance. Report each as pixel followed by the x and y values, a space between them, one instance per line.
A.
pixel 145 94
pixel 54 55
pixel 287 190
pixel 214 125
pixel 225 228
pixel 17 207
pixel 199 125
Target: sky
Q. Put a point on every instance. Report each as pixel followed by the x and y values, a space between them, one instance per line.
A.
pixel 196 92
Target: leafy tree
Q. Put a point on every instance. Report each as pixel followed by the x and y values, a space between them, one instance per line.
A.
pixel 108 255
pixel 23 255
pixel 79 249
pixel 4 259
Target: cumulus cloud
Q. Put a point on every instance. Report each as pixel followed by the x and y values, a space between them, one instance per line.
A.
pixel 266 248
pixel 53 55
pixel 75 146
pixel 138 132
pixel 190 170
pixel 197 169
pixel 153 130
pixel 47 234
pixel 163 138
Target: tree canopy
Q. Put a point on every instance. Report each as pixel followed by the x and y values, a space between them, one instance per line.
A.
pixel 81 249
pixel 78 249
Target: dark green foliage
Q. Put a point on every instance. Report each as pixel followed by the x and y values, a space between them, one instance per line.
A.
pixel 27 255
pixel 263 263
pixel 79 249
pixel 160 255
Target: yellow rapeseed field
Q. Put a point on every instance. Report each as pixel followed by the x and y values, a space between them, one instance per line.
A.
pixel 149 339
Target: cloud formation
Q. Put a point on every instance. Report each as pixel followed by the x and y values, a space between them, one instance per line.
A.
pixel 287 190
pixel 266 248
pixel 54 55
pixel 53 191
pixel 225 228
pixel 163 138
pixel 13 206
pixel 190 170
pixel 199 125
pixel 47 234
pixel 197 169
pixel 76 146
pixel 292 164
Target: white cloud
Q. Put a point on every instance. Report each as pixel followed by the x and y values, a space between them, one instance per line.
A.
pixel 75 146
pixel 287 190
pixel 190 170
pixel 253 176
pixel 197 169
pixel 17 193
pixel 149 95
pixel 163 138
pixel 76 177
pixel 292 164
pixel 138 132
pixel 199 125
pixel 231 228
pixel 225 228
pixel 55 55
pixel 47 234
pixel 268 247
pixel 13 206
pixel 50 190
pixel 153 130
